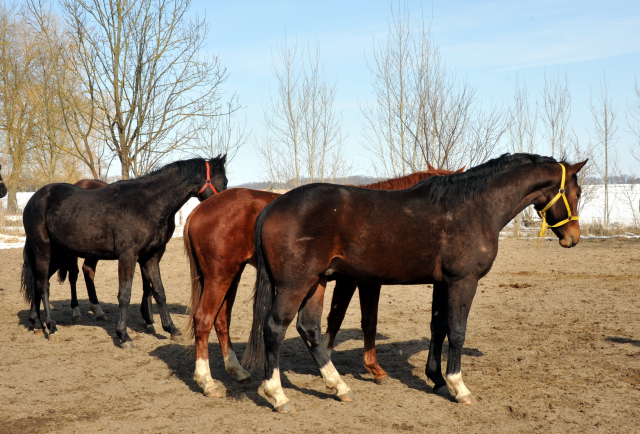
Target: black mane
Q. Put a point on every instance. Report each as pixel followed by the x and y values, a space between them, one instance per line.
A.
pixel 188 168
pixel 462 187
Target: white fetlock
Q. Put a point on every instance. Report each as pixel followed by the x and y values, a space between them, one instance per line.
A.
pixel 456 386
pixel 75 313
pixel 233 367
pixel 95 308
pixel 202 376
pixel 333 381
pixel 273 389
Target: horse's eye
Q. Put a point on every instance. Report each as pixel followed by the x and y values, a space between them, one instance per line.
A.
pixel 578 195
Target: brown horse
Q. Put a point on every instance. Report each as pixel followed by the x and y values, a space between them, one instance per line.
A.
pixel 443 231
pixel 218 239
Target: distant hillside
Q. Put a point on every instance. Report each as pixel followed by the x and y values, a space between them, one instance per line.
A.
pixel 352 180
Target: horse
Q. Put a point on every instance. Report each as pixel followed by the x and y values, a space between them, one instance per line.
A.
pixel 218 239
pixel 129 221
pixel 443 231
pixel 3 188
pixel 89 271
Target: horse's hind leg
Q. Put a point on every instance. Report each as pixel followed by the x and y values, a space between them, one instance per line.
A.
pixel 72 265
pixel 369 298
pixel 151 271
pixel 222 324
pixel 308 326
pixel 89 272
pixel 146 306
pixel 45 268
pixel 342 295
pixel 439 329
pixel 34 316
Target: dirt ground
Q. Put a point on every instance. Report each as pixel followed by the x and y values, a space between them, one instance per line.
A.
pixel 553 344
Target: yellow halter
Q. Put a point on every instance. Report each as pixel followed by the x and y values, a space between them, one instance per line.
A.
pixel 550 204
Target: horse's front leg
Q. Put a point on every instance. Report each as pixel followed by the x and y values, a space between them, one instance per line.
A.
pixel 460 297
pixel 72 264
pixel 151 272
pixel 126 269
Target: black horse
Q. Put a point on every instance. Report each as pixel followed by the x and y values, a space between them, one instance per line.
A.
pixel 130 221
pixel 443 231
pixel 3 188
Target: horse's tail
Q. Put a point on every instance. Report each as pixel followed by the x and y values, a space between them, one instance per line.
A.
pixel 28 281
pixel 62 271
pixel 197 283
pixel 262 301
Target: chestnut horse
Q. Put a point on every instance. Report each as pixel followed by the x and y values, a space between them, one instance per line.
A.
pixel 218 238
pixel 443 231
pixel 129 221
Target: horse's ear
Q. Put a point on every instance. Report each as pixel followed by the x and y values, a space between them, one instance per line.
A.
pixel 223 159
pixel 575 168
pixel 430 167
pixel 460 170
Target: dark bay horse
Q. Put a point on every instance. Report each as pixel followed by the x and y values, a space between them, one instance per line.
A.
pixel 443 231
pixel 218 238
pixel 129 221
pixel 3 188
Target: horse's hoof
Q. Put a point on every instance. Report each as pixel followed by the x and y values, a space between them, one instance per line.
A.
pixel 382 380
pixel 77 319
pixel 285 408
pixel 38 332
pixel 245 381
pixel 150 329
pixel 467 400
pixel 102 318
pixel 347 397
pixel 54 337
pixel 213 392
pixel 178 338
pixel 127 345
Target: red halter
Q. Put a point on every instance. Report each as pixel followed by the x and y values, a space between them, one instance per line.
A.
pixel 207 184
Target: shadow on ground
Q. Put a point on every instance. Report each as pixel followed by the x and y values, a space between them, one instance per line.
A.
pixel 295 358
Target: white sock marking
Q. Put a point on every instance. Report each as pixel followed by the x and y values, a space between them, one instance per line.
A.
pixel 332 379
pixel 273 389
pixel 456 385
pixel 202 375
pixel 233 367
pixel 95 308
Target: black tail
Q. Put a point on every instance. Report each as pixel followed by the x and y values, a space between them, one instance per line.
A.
pixel 262 301
pixel 28 284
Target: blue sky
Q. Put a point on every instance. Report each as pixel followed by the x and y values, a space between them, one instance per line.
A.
pixel 486 42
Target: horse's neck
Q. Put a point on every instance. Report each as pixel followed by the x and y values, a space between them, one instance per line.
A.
pixel 170 190
pixel 511 193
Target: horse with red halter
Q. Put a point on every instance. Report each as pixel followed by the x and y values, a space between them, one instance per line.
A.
pixel 3 188
pixel 129 221
pixel 443 231
pixel 218 238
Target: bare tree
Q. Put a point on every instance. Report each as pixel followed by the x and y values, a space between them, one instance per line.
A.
pixel 604 135
pixel 422 113
pixel 556 110
pixel 303 141
pixel 18 102
pixel 141 70
pixel 588 174
pixel 522 137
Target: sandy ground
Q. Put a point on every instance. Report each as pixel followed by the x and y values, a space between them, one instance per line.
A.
pixel 553 344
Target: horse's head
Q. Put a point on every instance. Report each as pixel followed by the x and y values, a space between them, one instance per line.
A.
pixel 3 188
pixel 216 178
pixel 559 207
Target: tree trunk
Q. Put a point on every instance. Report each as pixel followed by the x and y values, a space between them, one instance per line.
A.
pixel 12 200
